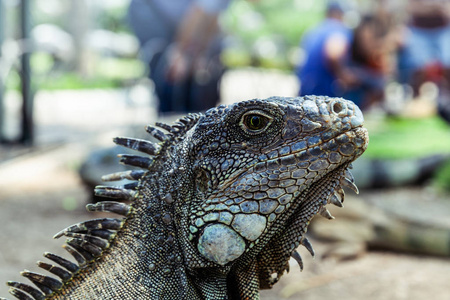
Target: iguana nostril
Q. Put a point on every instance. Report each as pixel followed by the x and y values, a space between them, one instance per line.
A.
pixel 337 107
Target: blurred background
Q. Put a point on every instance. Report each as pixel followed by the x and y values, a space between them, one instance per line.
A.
pixel 75 73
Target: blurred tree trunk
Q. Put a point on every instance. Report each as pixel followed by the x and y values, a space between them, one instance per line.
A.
pixel 27 135
pixel 2 77
pixel 79 23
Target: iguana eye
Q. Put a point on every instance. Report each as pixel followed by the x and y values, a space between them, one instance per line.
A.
pixel 255 121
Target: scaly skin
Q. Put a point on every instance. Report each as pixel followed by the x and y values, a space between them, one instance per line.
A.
pixel 222 206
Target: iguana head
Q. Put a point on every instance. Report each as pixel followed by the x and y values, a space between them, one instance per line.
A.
pixel 258 167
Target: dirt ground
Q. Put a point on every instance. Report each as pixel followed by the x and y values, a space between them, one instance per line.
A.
pixel 41 194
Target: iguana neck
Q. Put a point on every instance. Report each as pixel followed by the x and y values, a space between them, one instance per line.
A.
pixel 144 257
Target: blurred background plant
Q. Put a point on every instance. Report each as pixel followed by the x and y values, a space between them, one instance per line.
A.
pixel 76 44
pixel 267 33
pixel 87 44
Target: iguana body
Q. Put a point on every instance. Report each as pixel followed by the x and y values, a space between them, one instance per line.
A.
pixel 221 206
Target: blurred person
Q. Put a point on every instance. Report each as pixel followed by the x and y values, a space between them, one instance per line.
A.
pixel 353 64
pixel 181 42
pixel 426 45
pixel 425 55
pixel 326 48
pixel 370 60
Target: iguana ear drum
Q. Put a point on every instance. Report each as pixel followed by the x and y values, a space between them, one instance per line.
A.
pixel 220 244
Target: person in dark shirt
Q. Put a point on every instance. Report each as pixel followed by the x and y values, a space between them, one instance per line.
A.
pixel 181 42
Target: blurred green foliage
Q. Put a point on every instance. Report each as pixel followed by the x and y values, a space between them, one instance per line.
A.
pixel 442 179
pixel 397 137
pixel 108 72
pixel 113 19
pixel 266 33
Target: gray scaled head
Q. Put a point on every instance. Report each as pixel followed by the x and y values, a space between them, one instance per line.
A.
pixel 252 161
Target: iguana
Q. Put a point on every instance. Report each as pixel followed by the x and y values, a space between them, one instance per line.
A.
pixel 222 203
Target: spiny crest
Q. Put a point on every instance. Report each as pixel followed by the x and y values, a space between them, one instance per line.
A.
pixel 177 130
pixel 87 240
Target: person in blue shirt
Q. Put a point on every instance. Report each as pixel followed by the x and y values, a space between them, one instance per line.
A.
pixel 326 48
